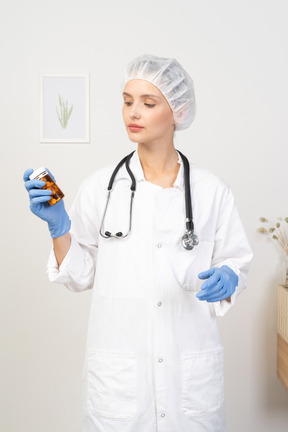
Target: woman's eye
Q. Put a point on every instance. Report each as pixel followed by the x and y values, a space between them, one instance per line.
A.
pixel 130 103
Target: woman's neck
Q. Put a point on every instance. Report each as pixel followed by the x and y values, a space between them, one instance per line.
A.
pixel 159 163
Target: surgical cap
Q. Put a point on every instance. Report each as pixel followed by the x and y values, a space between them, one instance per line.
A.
pixel 171 79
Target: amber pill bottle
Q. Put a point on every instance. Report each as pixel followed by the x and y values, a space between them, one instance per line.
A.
pixel 42 174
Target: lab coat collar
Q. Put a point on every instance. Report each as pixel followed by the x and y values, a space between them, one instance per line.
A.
pixel 137 170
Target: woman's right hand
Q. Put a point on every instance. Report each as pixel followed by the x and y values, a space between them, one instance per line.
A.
pixel 56 215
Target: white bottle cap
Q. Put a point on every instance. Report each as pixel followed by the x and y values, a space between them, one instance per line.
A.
pixel 37 172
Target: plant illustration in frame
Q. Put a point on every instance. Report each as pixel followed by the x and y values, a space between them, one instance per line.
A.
pixel 65 112
pixel 64 108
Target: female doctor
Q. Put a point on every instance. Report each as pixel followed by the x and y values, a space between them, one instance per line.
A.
pixel 161 269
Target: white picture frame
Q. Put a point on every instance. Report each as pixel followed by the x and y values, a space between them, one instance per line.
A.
pixel 64 108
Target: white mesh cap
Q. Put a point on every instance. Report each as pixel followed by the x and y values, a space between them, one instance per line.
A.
pixel 171 79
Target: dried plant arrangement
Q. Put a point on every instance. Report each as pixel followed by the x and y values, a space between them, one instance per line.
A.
pixel 278 231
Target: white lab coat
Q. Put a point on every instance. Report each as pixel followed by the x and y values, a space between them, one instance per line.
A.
pixel 154 358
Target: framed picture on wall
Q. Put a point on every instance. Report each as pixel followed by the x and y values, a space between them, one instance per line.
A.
pixel 64 108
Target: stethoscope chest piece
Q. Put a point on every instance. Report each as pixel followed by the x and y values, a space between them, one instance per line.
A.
pixel 189 240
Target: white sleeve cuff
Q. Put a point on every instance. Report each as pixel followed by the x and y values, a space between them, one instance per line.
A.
pixel 71 266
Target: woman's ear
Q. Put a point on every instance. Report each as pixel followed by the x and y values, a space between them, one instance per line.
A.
pixel 182 112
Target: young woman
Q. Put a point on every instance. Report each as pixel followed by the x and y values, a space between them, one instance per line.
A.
pixel 154 358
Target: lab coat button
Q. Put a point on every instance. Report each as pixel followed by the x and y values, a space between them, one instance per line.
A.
pixel 162 415
pixel 159 304
pixel 160 360
pixel 159 245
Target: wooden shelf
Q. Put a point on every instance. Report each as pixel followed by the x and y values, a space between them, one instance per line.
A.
pixel 282 335
pixel 282 361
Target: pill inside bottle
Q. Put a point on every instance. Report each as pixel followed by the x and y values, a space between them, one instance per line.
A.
pixel 42 174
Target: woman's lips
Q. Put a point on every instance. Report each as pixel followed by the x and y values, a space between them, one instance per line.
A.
pixel 135 128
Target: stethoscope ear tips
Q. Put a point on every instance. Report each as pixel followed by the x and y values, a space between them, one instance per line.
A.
pixel 108 234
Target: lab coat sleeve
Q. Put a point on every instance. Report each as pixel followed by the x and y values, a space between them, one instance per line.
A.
pixel 77 270
pixel 231 247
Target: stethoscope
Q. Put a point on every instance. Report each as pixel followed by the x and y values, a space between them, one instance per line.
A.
pixel 189 239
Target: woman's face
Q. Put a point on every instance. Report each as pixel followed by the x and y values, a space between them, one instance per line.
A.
pixel 144 105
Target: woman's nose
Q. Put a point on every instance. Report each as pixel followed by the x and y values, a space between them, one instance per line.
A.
pixel 135 111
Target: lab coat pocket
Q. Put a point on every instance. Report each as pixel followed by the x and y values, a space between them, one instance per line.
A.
pixel 202 382
pixel 112 384
pixel 187 264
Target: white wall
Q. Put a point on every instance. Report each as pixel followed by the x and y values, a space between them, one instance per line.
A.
pixel 236 51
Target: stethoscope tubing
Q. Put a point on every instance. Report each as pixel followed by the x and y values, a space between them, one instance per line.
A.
pixel 188 201
pixel 189 239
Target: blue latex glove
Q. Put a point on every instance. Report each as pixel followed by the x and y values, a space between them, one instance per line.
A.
pixel 56 215
pixel 220 284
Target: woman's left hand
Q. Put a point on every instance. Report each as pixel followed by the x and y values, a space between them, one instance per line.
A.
pixel 220 284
